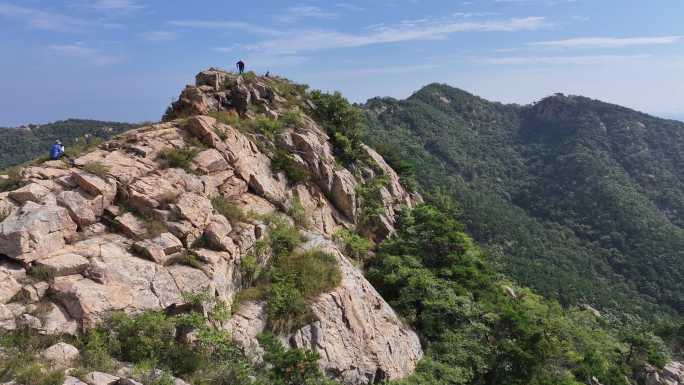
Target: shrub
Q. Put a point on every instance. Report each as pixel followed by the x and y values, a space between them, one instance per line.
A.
pixel 266 126
pixel 227 117
pixel 250 268
pixel 291 118
pixel 292 281
pixel 229 209
pixel 283 237
pixel 13 180
pixel 293 366
pixel 41 273
pixel 353 245
pixel 371 205
pixel 297 212
pixel 154 227
pixel 179 157
pixel 342 121
pixel 285 162
pixel 190 259
pixel 95 347
pixel 97 168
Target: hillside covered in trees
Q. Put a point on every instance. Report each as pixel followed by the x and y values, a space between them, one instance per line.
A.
pixel 582 200
pixel 18 145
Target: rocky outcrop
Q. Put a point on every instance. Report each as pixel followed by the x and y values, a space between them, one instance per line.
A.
pixel 671 374
pixel 76 247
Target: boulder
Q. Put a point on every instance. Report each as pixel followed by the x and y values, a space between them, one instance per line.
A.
pixel 60 356
pixel 79 207
pixel 64 264
pixel 195 208
pixel 9 287
pixel 131 225
pixel 203 128
pixel 210 161
pixel 34 231
pixel 99 378
pixel 32 192
pixel 55 321
pixel 95 185
pixel 68 380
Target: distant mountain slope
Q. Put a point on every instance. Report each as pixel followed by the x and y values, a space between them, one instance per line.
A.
pixel 19 145
pixel 584 198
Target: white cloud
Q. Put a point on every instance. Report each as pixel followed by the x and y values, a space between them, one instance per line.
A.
pixel 159 35
pixel 607 42
pixel 350 7
pixel 50 21
pixel 408 31
pixel 120 5
pixel 213 24
pixel 81 51
pixel 294 14
pixel 558 60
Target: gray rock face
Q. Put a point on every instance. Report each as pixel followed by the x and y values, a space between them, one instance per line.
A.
pixel 34 231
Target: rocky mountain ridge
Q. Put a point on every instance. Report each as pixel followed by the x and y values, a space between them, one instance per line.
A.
pixel 115 230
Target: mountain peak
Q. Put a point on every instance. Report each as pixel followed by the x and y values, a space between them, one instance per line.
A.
pixel 241 171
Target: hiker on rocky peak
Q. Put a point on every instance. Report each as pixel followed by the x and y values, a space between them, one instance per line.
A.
pixel 241 67
pixel 57 150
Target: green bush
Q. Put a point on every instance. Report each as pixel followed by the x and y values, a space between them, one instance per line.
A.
pixel 353 245
pixel 97 168
pixel 229 209
pixel 41 273
pixel 13 181
pixel 292 281
pixel 342 121
pixel 371 204
pixel 285 162
pixel 297 212
pixel 291 118
pixel 293 366
pixel 283 237
pixel 179 157
pixel 266 126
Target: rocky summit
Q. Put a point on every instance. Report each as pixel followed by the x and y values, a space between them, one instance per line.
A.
pixel 175 207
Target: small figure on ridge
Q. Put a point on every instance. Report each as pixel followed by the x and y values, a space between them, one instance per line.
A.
pixel 241 67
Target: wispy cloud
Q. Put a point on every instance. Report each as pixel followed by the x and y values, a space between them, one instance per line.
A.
pixel 300 41
pixel 294 14
pixel 388 70
pixel 607 42
pixel 119 5
pixel 159 35
pixel 49 21
pixel 214 24
pixel 350 7
pixel 558 60
pixel 82 51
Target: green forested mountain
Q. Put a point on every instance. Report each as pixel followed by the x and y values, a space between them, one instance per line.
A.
pixel 582 200
pixel 19 145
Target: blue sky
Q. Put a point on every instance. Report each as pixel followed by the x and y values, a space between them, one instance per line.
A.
pixel 126 59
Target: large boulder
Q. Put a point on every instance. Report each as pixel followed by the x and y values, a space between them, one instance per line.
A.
pixel 34 231
pixel 9 287
pixel 64 264
pixel 60 356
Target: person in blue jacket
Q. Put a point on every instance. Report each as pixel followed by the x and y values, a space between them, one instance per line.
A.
pixel 57 150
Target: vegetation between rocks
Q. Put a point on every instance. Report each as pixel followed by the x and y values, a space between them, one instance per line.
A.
pixel 290 279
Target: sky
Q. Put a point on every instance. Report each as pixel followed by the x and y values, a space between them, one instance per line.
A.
pixel 126 60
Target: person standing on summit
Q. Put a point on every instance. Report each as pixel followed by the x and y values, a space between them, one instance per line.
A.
pixel 241 66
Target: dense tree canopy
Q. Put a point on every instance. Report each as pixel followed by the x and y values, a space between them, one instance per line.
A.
pixel 582 199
